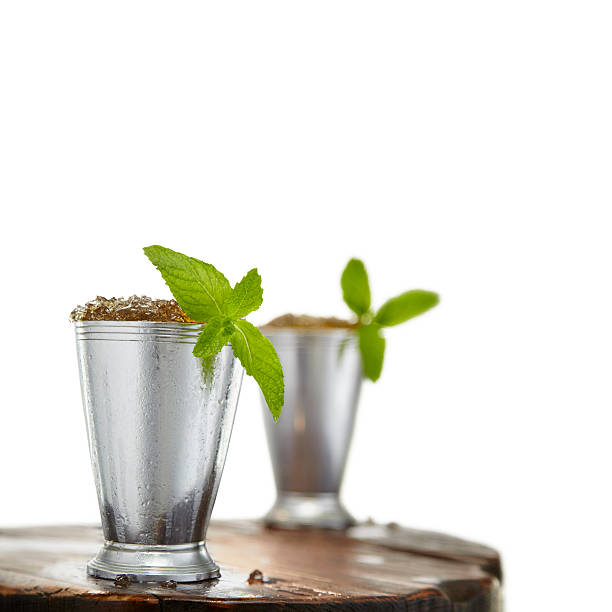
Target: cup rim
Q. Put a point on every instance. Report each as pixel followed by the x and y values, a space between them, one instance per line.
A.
pixel 140 331
pixel 110 322
pixel 308 331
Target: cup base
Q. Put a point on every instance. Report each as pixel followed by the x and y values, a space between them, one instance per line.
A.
pixel 154 563
pixel 308 511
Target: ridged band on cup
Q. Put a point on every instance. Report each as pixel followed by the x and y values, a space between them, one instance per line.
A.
pixel 143 563
pixel 140 331
pixel 308 510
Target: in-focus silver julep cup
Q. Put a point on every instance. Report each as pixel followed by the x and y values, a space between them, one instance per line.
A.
pixel 158 431
pixel 309 445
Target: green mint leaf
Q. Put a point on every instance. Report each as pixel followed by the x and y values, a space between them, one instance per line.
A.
pixel 372 348
pixel 199 288
pixel 406 306
pixel 215 335
pixel 206 296
pixel 260 361
pixel 355 287
pixel 246 296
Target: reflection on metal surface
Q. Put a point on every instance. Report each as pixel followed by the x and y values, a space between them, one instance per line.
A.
pixel 158 435
pixel 309 444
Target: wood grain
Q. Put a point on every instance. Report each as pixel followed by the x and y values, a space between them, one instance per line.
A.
pixel 369 567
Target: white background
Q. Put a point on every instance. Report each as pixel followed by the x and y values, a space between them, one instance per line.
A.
pixel 463 147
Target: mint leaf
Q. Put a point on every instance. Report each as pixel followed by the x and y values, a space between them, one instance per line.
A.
pixel 206 296
pixel 356 293
pixel 372 347
pixel 246 296
pixel 260 361
pixel 214 337
pixel 406 306
pixel 355 287
pixel 199 288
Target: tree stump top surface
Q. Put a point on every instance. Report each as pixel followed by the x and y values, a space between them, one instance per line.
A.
pixel 368 567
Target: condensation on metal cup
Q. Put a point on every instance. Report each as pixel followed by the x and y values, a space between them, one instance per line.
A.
pixel 310 443
pixel 158 430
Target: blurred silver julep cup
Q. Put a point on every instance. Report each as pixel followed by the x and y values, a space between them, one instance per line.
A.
pixel 309 445
pixel 158 430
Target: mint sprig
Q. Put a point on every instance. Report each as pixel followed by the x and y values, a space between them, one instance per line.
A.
pixel 356 293
pixel 207 296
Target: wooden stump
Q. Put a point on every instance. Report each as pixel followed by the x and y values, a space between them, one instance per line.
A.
pixel 369 567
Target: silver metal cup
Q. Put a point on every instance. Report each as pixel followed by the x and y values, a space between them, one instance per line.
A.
pixel 309 444
pixel 158 430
